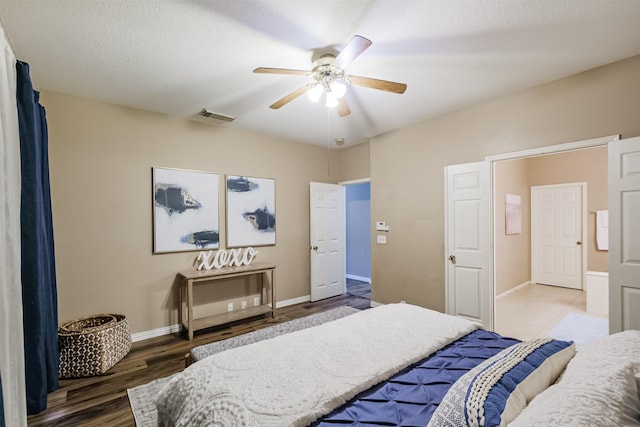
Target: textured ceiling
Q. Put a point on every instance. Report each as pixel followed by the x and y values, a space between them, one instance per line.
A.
pixel 177 57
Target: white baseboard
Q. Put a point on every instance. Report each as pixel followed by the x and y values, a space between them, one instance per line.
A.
pixel 145 335
pixel 515 288
pixel 359 278
pixel 375 304
pixel 293 301
pixel 167 330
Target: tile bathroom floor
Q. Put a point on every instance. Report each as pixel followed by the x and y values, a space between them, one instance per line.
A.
pixel 533 310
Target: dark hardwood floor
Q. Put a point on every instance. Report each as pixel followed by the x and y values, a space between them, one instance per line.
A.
pixel 103 400
pixel 358 288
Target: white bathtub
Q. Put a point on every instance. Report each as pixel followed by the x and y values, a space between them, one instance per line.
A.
pixel 597 288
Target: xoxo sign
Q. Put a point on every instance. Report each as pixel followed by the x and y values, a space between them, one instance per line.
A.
pixel 225 258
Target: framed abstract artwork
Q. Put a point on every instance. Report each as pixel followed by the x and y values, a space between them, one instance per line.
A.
pixel 251 211
pixel 185 210
pixel 513 214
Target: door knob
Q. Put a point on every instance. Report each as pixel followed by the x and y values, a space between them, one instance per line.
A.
pixel 315 248
pixel 452 258
pixel 578 242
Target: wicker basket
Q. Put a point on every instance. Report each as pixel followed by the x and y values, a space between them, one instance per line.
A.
pixel 91 346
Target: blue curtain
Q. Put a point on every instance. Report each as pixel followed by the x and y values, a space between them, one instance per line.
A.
pixel 39 296
pixel 1 405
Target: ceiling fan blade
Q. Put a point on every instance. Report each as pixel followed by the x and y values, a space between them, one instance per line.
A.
pixel 378 84
pixel 281 71
pixel 352 50
pixel 343 107
pixel 290 97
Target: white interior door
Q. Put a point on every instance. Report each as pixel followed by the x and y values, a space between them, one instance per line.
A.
pixel 556 235
pixel 327 238
pixel 624 235
pixel 469 273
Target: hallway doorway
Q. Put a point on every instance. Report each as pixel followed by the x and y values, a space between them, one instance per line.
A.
pixel 358 238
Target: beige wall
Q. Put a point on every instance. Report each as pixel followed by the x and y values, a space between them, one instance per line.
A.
pixel 101 158
pixel 351 163
pixel 407 178
pixel 513 252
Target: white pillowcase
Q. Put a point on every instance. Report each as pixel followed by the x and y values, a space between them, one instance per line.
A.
pixel 598 388
pixel 611 403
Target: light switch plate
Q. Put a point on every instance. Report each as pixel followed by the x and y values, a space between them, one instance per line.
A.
pixel 381 239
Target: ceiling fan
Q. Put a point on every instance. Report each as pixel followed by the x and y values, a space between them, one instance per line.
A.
pixel 330 78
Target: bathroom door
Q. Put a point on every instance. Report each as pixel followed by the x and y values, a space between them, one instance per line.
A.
pixel 557 213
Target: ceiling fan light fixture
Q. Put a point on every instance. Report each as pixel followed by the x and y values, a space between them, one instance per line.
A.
pixel 315 93
pixel 332 101
pixel 338 89
pixel 330 77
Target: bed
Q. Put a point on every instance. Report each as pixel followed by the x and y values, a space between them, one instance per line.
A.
pixel 400 364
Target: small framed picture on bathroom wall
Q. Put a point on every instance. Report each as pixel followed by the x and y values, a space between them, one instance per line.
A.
pixel 513 214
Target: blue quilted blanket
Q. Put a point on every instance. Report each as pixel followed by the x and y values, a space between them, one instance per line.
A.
pixel 410 397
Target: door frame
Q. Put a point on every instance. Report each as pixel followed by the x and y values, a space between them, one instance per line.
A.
pixel 490 290
pixel 583 228
pixel 551 149
pixel 343 184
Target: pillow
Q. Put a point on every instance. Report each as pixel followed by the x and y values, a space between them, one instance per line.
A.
pixel 613 402
pixel 599 387
pixel 613 350
pixel 495 392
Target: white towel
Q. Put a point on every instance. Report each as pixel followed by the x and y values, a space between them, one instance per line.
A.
pixel 602 230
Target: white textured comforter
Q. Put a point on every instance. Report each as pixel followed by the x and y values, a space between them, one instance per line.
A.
pixel 293 379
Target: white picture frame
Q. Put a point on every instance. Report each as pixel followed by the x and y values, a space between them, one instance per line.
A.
pixel 251 211
pixel 185 210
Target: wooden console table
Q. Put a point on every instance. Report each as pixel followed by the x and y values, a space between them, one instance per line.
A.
pixel 191 277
